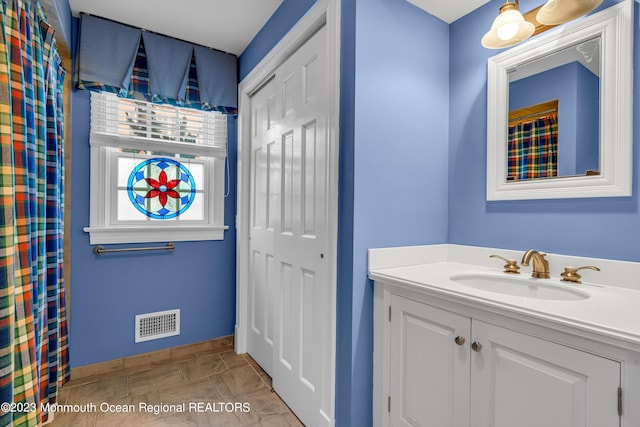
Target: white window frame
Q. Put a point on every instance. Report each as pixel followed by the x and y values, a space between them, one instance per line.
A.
pixel 105 142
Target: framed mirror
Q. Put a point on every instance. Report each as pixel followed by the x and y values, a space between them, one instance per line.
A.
pixel 559 112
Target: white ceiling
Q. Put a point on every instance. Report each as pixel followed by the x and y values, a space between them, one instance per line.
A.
pixel 448 10
pixel 227 25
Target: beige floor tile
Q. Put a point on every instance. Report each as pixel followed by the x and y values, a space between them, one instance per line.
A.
pixel 149 397
pixel 154 379
pixel 73 419
pixel 191 392
pixel 214 376
pixel 233 360
pixel 237 382
pixel 176 420
pixel 267 402
pixel 229 419
pixel 286 420
pixel 105 390
pixel 202 367
pixel 125 372
pixel 63 395
pixel 76 381
pixel 266 379
pixel 137 419
pixel 148 419
pixel 255 365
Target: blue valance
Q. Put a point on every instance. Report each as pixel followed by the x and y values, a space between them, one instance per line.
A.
pixel 138 64
pixel 168 63
pixel 215 83
pixel 107 52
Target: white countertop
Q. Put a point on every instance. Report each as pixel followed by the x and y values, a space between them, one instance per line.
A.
pixel 609 311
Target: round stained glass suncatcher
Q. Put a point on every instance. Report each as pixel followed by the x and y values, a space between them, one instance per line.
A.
pixel 161 188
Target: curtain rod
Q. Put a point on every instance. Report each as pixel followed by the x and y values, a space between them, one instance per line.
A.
pixel 539 113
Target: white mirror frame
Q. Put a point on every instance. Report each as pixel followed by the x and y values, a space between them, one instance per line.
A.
pixel 615 27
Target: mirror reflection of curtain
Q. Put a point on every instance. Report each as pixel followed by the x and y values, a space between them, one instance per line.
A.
pixel 533 148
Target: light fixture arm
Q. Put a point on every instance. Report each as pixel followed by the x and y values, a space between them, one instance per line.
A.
pixel 508 5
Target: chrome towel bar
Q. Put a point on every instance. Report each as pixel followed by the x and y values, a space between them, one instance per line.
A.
pixel 99 250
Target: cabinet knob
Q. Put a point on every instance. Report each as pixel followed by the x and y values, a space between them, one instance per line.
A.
pixel 460 340
pixel 476 346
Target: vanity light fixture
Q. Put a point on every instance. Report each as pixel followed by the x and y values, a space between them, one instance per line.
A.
pixel 508 28
pixel 556 12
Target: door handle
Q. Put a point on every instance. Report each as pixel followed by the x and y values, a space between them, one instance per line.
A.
pixel 476 346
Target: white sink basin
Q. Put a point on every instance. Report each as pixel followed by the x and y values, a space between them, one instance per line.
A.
pixel 520 286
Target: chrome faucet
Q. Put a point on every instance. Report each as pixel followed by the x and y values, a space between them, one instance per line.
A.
pixel 540 264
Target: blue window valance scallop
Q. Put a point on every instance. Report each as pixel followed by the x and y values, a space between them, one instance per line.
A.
pixel 134 63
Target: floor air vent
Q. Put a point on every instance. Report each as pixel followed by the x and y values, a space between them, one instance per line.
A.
pixel 151 326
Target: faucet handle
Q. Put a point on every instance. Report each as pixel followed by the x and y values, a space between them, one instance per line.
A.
pixel 511 265
pixel 570 274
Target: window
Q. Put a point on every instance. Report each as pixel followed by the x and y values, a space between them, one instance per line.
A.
pixel 157 172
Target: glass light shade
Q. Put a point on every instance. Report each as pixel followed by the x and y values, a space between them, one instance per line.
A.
pixel 507 31
pixel 556 12
pixel 508 28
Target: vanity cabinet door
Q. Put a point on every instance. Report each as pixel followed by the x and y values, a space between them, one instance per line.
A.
pixel 429 366
pixel 520 380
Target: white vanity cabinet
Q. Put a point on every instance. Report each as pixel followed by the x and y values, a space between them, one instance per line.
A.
pixel 525 381
pixel 429 375
pixel 440 365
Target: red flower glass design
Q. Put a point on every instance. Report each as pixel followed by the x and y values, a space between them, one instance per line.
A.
pixel 162 189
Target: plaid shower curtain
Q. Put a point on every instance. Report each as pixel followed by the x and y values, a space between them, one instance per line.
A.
pixel 33 328
pixel 533 149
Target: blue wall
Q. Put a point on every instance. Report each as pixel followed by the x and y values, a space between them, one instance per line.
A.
pixel 588 123
pixel 346 200
pixel 108 291
pixel 604 227
pixel 199 277
pixel 400 152
pixel 63 17
pixel 282 20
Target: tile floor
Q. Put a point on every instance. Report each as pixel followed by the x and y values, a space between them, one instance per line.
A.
pixel 209 383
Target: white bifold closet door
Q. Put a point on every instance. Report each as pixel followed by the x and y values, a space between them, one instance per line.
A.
pixel 288 287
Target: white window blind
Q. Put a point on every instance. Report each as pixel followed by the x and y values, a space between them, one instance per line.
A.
pixel 129 136
pixel 126 123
